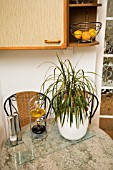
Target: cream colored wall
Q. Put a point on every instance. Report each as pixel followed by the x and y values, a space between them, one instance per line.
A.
pixel 18 69
pixel 2 121
pixel 100 53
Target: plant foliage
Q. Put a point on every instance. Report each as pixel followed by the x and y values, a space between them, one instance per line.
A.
pixel 70 90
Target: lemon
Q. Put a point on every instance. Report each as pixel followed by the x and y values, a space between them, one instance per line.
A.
pixel 78 34
pixel 37 112
pixel 86 36
pixel 93 32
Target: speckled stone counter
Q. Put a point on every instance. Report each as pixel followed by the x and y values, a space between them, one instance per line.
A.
pixel 93 152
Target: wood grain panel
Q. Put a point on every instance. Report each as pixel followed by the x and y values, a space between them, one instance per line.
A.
pixel 107 125
pixel 106 107
pixel 29 23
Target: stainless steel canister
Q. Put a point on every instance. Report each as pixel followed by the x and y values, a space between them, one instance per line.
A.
pixel 12 131
pixel 17 126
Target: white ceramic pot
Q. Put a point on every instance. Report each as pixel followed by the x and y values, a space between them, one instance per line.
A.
pixel 73 133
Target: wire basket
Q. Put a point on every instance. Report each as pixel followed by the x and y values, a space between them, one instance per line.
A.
pixel 85 31
pixel 79 1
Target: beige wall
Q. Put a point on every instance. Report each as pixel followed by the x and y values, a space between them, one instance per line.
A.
pixel 2 121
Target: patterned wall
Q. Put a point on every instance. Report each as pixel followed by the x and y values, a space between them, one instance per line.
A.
pixel 108 61
pixel 107 77
pixel 109 29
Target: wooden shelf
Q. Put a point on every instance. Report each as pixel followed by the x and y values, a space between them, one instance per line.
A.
pixel 108 55
pixel 106 116
pixel 85 5
pixel 86 12
pixel 74 44
pixel 107 87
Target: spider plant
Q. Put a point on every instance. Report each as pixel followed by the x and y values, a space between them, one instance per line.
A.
pixel 70 90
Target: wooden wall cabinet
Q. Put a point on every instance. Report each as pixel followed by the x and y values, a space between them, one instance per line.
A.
pixel 33 24
pixel 42 24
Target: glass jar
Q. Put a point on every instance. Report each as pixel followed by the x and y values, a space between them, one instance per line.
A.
pixel 37 115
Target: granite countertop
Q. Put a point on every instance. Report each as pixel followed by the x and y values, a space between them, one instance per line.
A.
pixel 93 152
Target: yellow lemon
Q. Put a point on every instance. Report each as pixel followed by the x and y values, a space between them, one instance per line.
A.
pixel 93 32
pixel 37 112
pixel 78 34
pixel 86 36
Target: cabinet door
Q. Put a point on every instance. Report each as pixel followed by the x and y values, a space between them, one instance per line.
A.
pixel 33 24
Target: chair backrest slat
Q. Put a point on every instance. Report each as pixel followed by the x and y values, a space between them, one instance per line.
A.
pixel 22 99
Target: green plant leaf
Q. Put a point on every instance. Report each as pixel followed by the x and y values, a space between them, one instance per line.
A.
pixel 68 89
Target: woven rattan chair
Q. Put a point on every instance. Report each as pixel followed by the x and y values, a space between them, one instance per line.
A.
pixel 18 103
